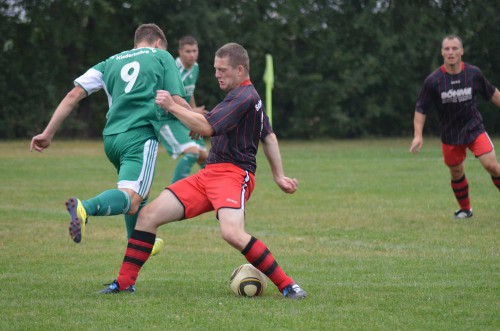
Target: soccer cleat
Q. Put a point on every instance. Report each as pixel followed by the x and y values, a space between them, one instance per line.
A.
pixel 157 246
pixel 462 214
pixel 78 219
pixel 114 288
pixel 294 291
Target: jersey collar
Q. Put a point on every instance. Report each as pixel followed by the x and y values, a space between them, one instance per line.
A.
pixel 443 70
pixel 246 82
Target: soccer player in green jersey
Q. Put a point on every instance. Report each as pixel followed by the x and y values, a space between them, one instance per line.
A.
pixel 174 135
pixel 130 80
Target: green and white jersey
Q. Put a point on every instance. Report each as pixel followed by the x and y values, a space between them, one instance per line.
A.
pixel 189 77
pixel 130 80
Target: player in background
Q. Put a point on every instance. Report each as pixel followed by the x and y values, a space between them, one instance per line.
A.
pixel 453 89
pixel 174 135
pixel 235 126
pixel 130 80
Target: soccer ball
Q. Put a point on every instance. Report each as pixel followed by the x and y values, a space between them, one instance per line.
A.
pixel 248 281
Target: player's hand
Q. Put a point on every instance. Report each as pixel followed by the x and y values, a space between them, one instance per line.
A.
pixel 164 99
pixel 194 135
pixel 40 142
pixel 200 110
pixel 416 145
pixel 288 185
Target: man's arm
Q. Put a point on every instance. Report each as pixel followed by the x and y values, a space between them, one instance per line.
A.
pixel 272 152
pixel 418 127
pixel 65 107
pixel 194 121
pixel 200 110
pixel 496 98
pixel 181 101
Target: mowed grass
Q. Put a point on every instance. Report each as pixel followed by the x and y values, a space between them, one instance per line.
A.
pixel 369 235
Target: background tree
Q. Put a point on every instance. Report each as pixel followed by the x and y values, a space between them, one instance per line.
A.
pixel 343 69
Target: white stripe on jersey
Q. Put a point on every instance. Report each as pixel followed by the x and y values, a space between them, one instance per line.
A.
pixel 91 82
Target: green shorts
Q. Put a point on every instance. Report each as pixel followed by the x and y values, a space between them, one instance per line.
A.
pixel 133 153
pixel 174 136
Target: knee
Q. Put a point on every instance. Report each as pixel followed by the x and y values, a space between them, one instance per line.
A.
pixel 456 173
pixel 227 235
pixel 493 168
pixel 143 215
pixel 147 220
pixel 236 238
pixel 192 150
pixel 230 236
pixel 202 156
pixel 135 203
pixel 133 210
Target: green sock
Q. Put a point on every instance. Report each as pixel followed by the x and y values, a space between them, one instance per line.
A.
pixel 131 220
pixel 183 168
pixel 110 202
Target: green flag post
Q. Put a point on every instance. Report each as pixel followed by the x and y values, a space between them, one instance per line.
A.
pixel 269 81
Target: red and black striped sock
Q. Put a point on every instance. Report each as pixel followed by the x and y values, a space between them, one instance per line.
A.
pixel 496 181
pixel 461 190
pixel 138 251
pixel 257 253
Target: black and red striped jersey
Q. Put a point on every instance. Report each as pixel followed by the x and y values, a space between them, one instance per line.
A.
pixel 455 97
pixel 239 122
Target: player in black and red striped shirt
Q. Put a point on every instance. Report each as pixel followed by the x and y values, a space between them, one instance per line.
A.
pixel 236 125
pixel 453 89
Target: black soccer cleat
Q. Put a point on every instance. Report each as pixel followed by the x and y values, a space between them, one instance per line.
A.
pixel 114 288
pixel 462 214
pixel 294 291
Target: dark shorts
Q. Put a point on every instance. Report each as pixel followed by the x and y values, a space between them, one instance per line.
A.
pixel 455 154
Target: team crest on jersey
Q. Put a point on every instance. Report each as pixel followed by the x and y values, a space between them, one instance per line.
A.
pixel 458 95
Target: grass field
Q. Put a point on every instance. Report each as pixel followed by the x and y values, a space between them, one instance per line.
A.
pixel 369 235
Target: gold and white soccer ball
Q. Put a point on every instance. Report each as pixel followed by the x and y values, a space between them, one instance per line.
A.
pixel 248 281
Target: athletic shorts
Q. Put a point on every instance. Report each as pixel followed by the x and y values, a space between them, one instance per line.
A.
pixel 174 136
pixel 455 154
pixel 133 153
pixel 220 185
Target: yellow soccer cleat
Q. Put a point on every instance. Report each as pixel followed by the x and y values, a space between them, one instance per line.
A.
pixel 157 246
pixel 78 219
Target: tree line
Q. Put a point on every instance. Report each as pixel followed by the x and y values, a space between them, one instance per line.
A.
pixel 343 69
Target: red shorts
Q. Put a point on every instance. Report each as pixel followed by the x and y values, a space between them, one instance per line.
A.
pixel 221 185
pixel 455 154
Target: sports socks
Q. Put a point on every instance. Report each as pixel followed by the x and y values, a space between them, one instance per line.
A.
pixel 461 190
pixel 257 253
pixel 139 249
pixel 183 168
pixel 131 220
pixel 110 202
pixel 496 181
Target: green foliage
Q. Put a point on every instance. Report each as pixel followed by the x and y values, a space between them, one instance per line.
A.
pixel 343 68
pixel 368 234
